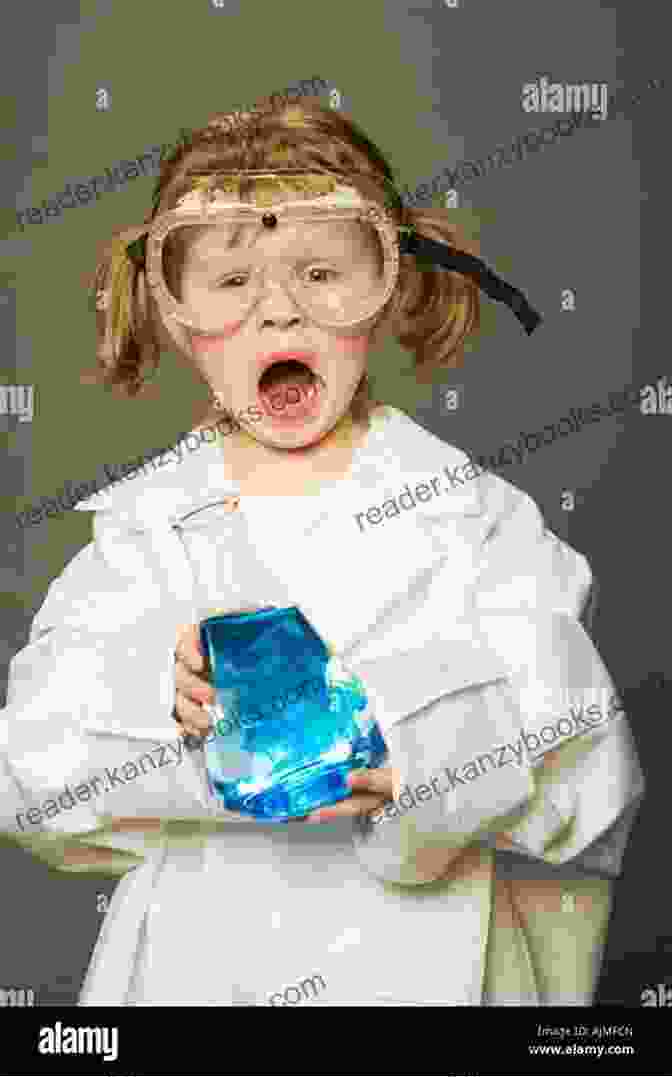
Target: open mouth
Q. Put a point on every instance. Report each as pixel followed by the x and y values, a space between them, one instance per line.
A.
pixel 289 389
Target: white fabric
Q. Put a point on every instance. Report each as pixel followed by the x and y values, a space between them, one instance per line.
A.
pixel 461 617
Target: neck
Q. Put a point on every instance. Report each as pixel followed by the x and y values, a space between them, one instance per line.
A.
pixel 343 435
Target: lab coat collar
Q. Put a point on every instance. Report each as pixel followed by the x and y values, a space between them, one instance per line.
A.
pixel 395 451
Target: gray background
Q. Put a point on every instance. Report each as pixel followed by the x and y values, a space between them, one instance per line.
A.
pixel 432 86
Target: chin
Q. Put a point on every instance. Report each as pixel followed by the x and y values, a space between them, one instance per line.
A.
pixel 302 436
pixel 298 438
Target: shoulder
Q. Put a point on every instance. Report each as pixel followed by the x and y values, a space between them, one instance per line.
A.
pixel 510 525
pixel 78 582
pixel 407 440
pixel 416 451
pixel 155 489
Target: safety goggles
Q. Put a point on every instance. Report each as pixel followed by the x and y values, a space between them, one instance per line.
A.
pixel 330 245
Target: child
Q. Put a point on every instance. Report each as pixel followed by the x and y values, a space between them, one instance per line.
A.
pixel 475 868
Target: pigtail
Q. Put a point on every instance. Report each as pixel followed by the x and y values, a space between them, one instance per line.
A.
pixel 124 328
pixel 434 310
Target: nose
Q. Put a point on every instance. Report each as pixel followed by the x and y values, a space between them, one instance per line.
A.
pixel 278 309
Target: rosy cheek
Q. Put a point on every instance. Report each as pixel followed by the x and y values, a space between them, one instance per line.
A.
pixel 353 347
pixel 202 344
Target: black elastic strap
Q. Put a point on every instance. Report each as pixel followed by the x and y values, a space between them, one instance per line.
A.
pixel 441 254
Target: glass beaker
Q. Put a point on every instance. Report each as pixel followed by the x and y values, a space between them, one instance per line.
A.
pixel 290 721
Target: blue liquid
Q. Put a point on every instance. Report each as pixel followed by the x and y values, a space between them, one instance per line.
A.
pixel 303 776
pixel 290 743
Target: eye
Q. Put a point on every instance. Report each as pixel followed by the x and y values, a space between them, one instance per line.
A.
pixel 318 274
pixel 228 281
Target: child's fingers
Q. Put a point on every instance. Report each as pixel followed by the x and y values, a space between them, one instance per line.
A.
pixel 192 686
pixel 375 780
pixel 358 805
pixel 193 719
pixel 188 648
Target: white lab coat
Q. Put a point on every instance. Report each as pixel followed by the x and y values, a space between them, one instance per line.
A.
pixel 460 614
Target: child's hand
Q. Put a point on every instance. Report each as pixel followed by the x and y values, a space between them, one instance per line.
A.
pixel 372 789
pixel 191 684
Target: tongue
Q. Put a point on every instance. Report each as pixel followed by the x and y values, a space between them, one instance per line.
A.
pixel 288 394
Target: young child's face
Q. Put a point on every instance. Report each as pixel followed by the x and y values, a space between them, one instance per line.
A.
pixel 283 403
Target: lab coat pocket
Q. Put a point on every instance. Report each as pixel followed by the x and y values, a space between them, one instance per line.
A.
pixel 402 683
pixel 461 771
pixel 143 779
pixel 452 727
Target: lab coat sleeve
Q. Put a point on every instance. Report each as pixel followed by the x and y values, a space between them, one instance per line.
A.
pixel 87 734
pixel 512 713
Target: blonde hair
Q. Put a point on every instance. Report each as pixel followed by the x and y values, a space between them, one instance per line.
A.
pixel 431 312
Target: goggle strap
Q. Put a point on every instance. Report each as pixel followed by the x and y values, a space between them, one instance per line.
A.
pixel 429 251
pixel 137 250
